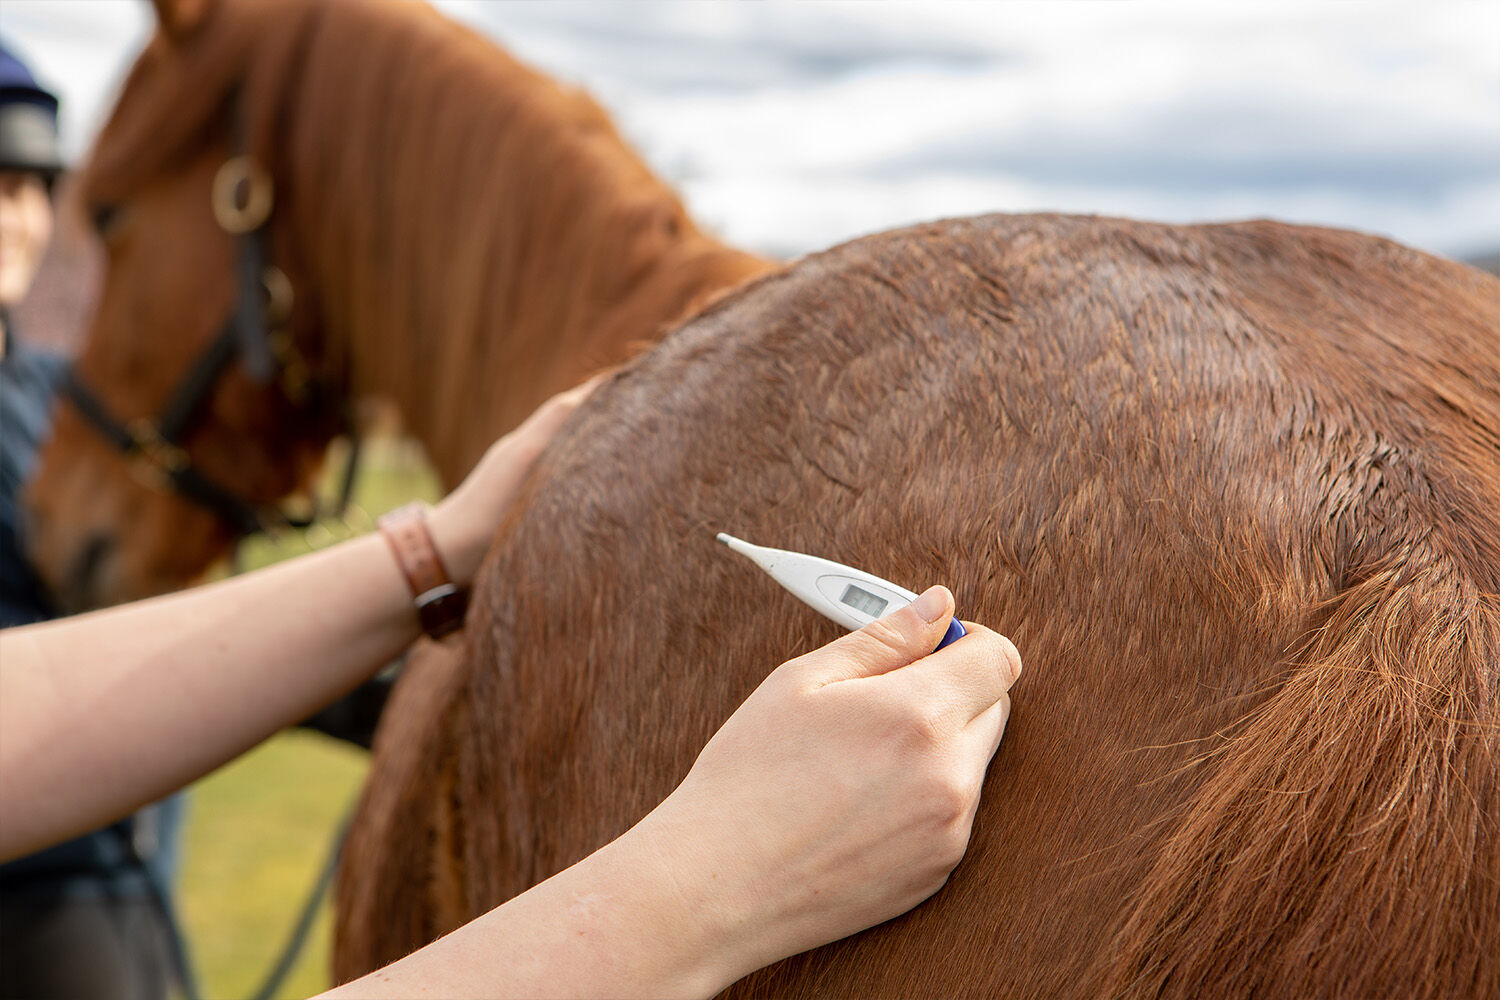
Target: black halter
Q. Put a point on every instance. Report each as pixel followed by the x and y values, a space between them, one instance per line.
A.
pixel 256 334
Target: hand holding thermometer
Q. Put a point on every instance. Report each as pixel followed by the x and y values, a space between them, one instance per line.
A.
pixel 851 597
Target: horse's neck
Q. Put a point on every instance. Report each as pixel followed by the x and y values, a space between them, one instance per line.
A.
pixel 492 245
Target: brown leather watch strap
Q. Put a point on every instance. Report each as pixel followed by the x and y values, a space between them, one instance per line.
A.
pixel 440 602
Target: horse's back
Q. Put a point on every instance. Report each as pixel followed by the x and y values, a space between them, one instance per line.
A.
pixel 1155 456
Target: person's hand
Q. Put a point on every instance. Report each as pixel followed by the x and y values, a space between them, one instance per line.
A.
pixel 464 523
pixel 842 792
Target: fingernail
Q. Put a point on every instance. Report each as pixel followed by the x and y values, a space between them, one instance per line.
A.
pixel 932 605
pixel 1012 658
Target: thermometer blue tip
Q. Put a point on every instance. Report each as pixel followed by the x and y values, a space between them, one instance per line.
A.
pixel 955 632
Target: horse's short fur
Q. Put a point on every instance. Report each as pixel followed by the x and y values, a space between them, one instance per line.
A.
pixel 1233 490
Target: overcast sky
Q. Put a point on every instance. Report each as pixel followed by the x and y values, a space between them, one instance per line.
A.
pixel 791 126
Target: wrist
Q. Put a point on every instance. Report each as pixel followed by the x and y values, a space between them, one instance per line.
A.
pixel 687 943
pixel 440 602
pixel 458 544
pixel 613 924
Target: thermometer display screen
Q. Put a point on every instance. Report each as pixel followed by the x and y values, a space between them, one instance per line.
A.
pixel 863 601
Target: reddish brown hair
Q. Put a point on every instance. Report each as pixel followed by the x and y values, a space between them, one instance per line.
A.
pixel 1233 490
pixel 479 227
pixel 464 236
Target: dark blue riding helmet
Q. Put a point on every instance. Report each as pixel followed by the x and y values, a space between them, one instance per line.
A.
pixel 28 120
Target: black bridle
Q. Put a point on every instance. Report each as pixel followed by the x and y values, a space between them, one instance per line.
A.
pixel 257 333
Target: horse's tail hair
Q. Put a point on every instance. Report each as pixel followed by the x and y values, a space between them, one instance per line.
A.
pixel 397 885
pixel 1348 841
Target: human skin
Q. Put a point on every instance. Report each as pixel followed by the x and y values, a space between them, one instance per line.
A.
pixel 25 230
pixel 117 708
pixel 840 794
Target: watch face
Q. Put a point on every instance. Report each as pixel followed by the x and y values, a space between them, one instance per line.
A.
pixel 442 609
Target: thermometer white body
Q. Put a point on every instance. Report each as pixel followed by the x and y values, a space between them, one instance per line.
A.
pixel 849 596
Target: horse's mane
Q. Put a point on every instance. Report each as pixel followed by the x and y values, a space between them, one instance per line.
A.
pixel 453 205
pixel 260 58
pixel 177 96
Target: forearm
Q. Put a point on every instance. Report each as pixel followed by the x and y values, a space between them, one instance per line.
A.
pixel 839 794
pixel 102 713
pixel 616 924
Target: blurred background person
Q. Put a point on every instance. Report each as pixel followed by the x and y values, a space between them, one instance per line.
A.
pixel 90 917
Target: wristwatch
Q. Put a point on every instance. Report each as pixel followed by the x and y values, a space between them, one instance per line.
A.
pixel 439 601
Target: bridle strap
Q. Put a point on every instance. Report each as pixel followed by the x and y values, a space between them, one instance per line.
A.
pixel 351 465
pixel 95 412
pixel 165 461
pixel 156 448
pixel 243 518
pixel 249 317
pixel 177 416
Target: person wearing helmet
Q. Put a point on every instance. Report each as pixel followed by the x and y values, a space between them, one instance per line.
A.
pixel 85 918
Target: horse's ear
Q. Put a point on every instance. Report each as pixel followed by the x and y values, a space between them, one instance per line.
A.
pixel 180 18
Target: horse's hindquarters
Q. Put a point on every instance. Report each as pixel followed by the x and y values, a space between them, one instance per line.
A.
pixel 1103 436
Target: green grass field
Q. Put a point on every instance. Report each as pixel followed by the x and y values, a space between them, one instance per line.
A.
pixel 259 829
pixel 257 834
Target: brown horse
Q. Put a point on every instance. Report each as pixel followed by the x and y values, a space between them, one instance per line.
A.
pixel 457 233
pixel 1235 492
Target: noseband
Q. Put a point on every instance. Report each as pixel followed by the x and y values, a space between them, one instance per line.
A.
pixel 257 333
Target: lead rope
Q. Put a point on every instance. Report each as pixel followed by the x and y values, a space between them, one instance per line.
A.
pixel 297 940
pixel 178 952
pixel 177 947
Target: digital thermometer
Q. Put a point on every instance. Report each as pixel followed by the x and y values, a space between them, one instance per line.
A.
pixel 849 596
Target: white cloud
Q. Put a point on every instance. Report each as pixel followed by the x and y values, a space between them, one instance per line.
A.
pixel 792 126
pixel 80 49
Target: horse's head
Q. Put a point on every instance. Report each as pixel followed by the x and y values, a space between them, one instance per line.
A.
pixel 191 407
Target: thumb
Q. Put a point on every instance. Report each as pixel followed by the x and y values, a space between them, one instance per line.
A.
pixel 904 635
